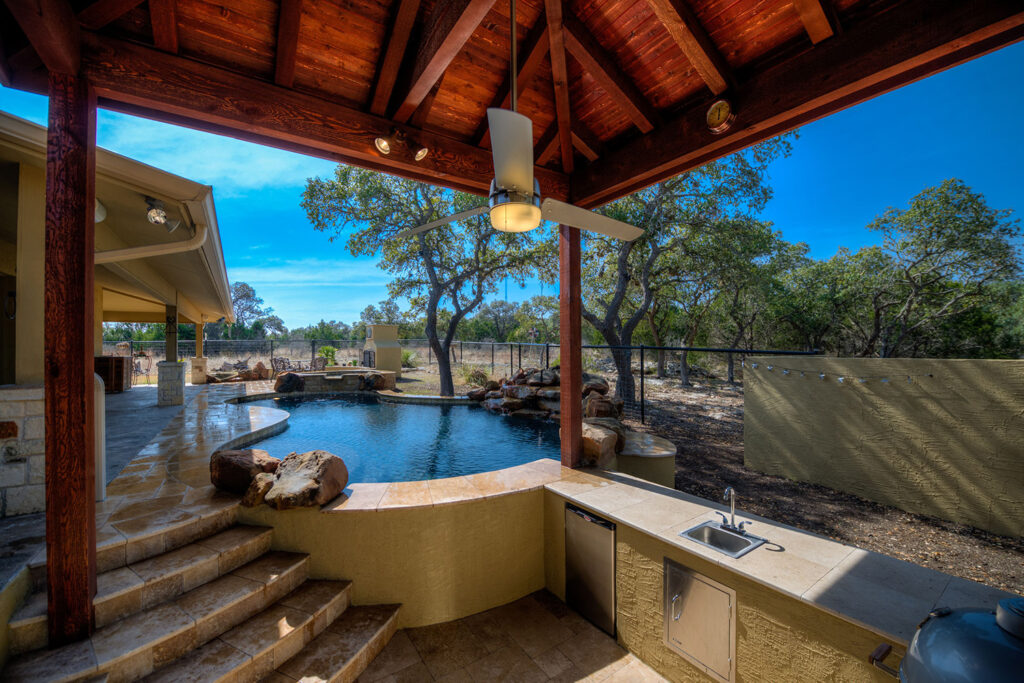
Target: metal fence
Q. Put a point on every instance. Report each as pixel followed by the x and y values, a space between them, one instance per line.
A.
pixel 659 365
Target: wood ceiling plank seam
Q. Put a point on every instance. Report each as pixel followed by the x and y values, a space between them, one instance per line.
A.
pixel 447 29
pixel 693 39
pixel 535 49
pixel 288 23
pixel 103 12
pixel 396 43
pixel 560 80
pixel 52 31
pixel 814 19
pixel 163 15
pixel 602 67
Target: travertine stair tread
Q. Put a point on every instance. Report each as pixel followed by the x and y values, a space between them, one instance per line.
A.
pixel 164 632
pixel 125 591
pixel 252 648
pixel 344 650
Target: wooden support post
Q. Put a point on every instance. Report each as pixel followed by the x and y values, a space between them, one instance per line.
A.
pixel 571 340
pixel 199 341
pixel 171 334
pixel 68 312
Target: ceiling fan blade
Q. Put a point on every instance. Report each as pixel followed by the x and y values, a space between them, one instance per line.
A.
pixel 567 214
pixel 439 222
pixel 512 149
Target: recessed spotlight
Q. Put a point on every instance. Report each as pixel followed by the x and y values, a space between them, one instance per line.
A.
pixel 156 213
pixel 422 153
pixel 382 145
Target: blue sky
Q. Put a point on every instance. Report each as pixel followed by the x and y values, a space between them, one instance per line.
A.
pixel 844 170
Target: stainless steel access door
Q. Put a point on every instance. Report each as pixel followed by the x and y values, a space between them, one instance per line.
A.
pixel 590 567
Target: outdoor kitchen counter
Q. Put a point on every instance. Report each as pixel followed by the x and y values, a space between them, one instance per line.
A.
pixel 881 593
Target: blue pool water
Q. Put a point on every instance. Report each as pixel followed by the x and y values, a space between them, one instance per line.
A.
pixel 382 441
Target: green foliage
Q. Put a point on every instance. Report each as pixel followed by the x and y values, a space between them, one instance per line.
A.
pixel 474 375
pixel 327 352
pixel 408 358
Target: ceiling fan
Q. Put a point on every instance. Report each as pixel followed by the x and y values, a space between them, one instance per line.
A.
pixel 514 202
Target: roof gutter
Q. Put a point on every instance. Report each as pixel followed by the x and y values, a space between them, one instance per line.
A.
pixel 149 250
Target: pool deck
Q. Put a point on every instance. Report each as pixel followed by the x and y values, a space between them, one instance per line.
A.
pixel 166 488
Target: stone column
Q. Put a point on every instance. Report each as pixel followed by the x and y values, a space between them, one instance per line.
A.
pixel 170 374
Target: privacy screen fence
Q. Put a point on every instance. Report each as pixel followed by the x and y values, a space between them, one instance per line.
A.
pixel 641 368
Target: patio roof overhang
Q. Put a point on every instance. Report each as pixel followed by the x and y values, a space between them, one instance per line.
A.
pixel 617 91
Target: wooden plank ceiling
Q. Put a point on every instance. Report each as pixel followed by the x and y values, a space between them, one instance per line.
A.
pixel 617 89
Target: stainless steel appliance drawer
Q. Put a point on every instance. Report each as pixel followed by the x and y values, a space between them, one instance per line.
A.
pixel 700 621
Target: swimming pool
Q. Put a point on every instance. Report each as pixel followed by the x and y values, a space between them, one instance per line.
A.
pixel 381 441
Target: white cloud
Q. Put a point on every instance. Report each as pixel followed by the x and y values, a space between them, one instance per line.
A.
pixel 312 272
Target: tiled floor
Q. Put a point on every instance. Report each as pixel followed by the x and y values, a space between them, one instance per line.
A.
pixel 537 638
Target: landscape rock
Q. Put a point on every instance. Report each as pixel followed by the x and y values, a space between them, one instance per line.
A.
pixel 554 406
pixel 261 371
pixel 494 394
pixel 543 378
pixel 530 413
pixel 258 489
pixel 491 385
pixel 613 424
pixel 522 392
pixel 234 470
pixel 493 403
pixel 372 381
pixel 549 394
pixel 510 405
pixel 597 405
pixel 307 479
pixel 599 445
pixel 519 377
pixel 476 394
pixel 594 384
pixel 289 382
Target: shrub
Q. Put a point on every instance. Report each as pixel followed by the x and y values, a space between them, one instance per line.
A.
pixel 474 375
pixel 328 352
pixel 408 359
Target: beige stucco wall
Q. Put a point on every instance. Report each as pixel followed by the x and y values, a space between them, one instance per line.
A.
pixel 950 444
pixel 778 637
pixel 28 340
pixel 441 562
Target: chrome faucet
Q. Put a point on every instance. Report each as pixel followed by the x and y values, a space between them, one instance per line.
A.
pixel 730 522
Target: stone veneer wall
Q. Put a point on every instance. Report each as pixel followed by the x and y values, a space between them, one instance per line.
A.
pixel 949 442
pixel 778 637
pixel 22 450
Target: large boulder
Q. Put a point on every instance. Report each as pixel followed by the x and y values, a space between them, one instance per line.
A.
pixel 543 378
pixel 234 470
pixel 530 414
pixel 553 406
pixel 476 394
pixel 289 382
pixel 261 484
pixel 493 403
pixel 522 392
pixel 307 479
pixel 597 405
pixel 496 393
pixel 613 424
pixel 262 371
pixel 549 394
pixel 492 385
pixel 599 445
pixel 594 384
pixel 372 381
pixel 510 405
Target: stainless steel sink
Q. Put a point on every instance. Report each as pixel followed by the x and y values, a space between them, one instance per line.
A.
pixel 715 536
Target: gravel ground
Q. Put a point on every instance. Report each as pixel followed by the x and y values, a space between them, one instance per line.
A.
pixel 706 424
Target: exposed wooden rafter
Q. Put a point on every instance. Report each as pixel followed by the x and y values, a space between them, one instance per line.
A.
pixel 5 69
pixel 547 145
pixel 419 117
pixel 814 18
pixel 287 42
pixel 134 78
pixel 391 56
pixel 560 79
pixel 603 69
pixel 684 27
pixel 534 49
pixel 447 29
pixel 585 141
pixel 914 39
pixel 102 12
pixel 52 30
pixel 163 14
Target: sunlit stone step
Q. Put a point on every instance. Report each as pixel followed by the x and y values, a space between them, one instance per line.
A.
pixel 252 649
pixel 135 646
pixel 124 591
pixel 342 652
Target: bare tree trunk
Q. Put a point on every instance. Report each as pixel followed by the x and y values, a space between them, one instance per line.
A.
pixel 625 387
pixel 684 369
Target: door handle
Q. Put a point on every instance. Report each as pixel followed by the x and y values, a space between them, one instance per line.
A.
pixel 675 617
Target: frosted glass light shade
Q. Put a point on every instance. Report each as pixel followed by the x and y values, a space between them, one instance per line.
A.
pixel 515 217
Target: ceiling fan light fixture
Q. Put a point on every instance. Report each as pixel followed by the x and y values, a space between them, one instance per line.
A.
pixel 515 217
pixel 383 145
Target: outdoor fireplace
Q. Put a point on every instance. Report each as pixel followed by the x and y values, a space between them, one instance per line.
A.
pixel 382 350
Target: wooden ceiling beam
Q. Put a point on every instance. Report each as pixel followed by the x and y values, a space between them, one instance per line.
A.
pixel 814 19
pixel 163 15
pixel 5 69
pixel 448 28
pixel 547 145
pixel 419 117
pixel 143 81
pixel 103 12
pixel 603 69
pixel 52 30
pixel 583 139
pixel 914 39
pixel 560 79
pixel 288 21
pixel 391 57
pixel 532 56
pixel 685 28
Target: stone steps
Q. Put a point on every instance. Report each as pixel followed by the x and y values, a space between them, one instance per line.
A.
pixel 344 650
pixel 133 647
pixel 128 590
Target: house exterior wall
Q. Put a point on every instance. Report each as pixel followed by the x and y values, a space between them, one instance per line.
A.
pixel 949 442
pixel 28 345
pixel 22 451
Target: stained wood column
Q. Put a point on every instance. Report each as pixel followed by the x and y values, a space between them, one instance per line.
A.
pixel 171 334
pixel 68 354
pixel 571 345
